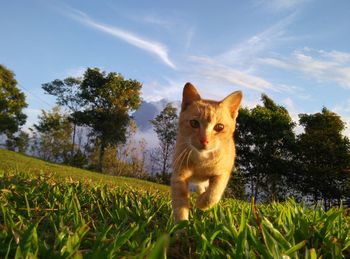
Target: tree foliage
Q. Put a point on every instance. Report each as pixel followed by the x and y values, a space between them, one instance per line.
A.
pixel 165 126
pixel 18 142
pixel 126 159
pixel 265 140
pixel 12 102
pixel 103 102
pixel 275 164
pixel 53 136
pixel 67 95
pixel 324 157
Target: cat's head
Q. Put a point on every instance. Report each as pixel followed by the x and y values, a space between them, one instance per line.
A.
pixel 205 124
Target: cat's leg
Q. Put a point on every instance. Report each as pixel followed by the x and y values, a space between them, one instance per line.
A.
pixel 212 195
pixel 202 186
pixel 180 199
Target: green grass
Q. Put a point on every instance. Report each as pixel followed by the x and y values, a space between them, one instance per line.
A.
pixel 53 211
pixel 21 163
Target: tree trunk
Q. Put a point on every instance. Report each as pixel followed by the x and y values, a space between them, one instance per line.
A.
pixel 165 161
pixel 102 152
pixel 73 139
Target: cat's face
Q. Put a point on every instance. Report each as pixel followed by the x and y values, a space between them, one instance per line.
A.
pixel 206 125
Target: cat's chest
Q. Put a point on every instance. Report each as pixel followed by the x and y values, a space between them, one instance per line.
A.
pixel 199 166
pixel 206 165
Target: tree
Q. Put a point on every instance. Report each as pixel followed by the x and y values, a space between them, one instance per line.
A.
pixel 107 101
pixel 133 152
pixel 123 160
pixel 67 94
pixel 12 102
pixel 324 157
pixel 18 142
pixel 102 102
pixel 54 138
pixel 265 141
pixel 165 125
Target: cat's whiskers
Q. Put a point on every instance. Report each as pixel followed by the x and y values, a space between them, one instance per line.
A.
pixel 188 150
pixel 188 156
pixel 180 157
pixel 176 160
pixel 205 152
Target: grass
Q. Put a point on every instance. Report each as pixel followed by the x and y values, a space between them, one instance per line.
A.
pixel 21 163
pixel 47 210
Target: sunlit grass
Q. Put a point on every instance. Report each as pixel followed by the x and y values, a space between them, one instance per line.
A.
pixel 17 162
pixel 48 215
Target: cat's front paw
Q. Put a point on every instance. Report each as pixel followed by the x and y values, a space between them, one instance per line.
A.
pixel 203 201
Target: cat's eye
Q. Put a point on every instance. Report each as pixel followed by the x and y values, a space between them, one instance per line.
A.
pixel 194 124
pixel 218 127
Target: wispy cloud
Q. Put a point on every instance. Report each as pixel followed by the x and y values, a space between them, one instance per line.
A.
pixel 153 47
pixel 344 110
pixel 156 20
pixel 246 52
pixel 32 117
pixel 281 5
pixel 166 88
pixel 238 64
pixel 76 72
pixel 332 66
pixel 212 70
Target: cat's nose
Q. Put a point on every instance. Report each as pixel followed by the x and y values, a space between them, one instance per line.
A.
pixel 204 141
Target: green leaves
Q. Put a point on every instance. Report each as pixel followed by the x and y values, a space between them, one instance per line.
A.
pixel 100 101
pixel 165 126
pixel 28 246
pixel 12 102
pixel 264 140
pixel 324 157
pixel 69 243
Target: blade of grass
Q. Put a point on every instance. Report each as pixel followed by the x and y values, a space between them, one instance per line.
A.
pixel 295 248
pixel 160 247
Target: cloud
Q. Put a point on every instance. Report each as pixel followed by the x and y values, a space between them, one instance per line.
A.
pixel 76 72
pixel 237 65
pixel 343 109
pixel 332 66
pixel 246 52
pixel 150 136
pixel 32 117
pixel 336 56
pixel 281 5
pixel 234 67
pixel 189 37
pixel 211 70
pixel 153 47
pixel 288 102
pixel 153 19
pixel 166 89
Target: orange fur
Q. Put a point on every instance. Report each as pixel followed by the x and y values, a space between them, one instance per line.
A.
pixel 204 153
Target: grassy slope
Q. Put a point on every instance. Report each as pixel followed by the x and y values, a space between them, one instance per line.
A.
pixel 22 163
pixel 46 210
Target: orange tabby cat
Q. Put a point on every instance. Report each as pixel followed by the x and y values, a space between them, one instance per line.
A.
pixel 204 151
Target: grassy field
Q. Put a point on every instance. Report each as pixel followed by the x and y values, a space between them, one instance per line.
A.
pixel 53 211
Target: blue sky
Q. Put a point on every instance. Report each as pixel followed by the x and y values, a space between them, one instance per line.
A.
pixel 295 51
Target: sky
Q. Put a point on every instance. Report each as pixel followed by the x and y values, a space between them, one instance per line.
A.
pixel 295 51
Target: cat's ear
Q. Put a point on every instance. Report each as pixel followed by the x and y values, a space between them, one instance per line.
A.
pixel 233 102
pixel 189 95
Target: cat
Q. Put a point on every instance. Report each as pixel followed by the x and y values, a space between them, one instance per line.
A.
pixel 204 151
